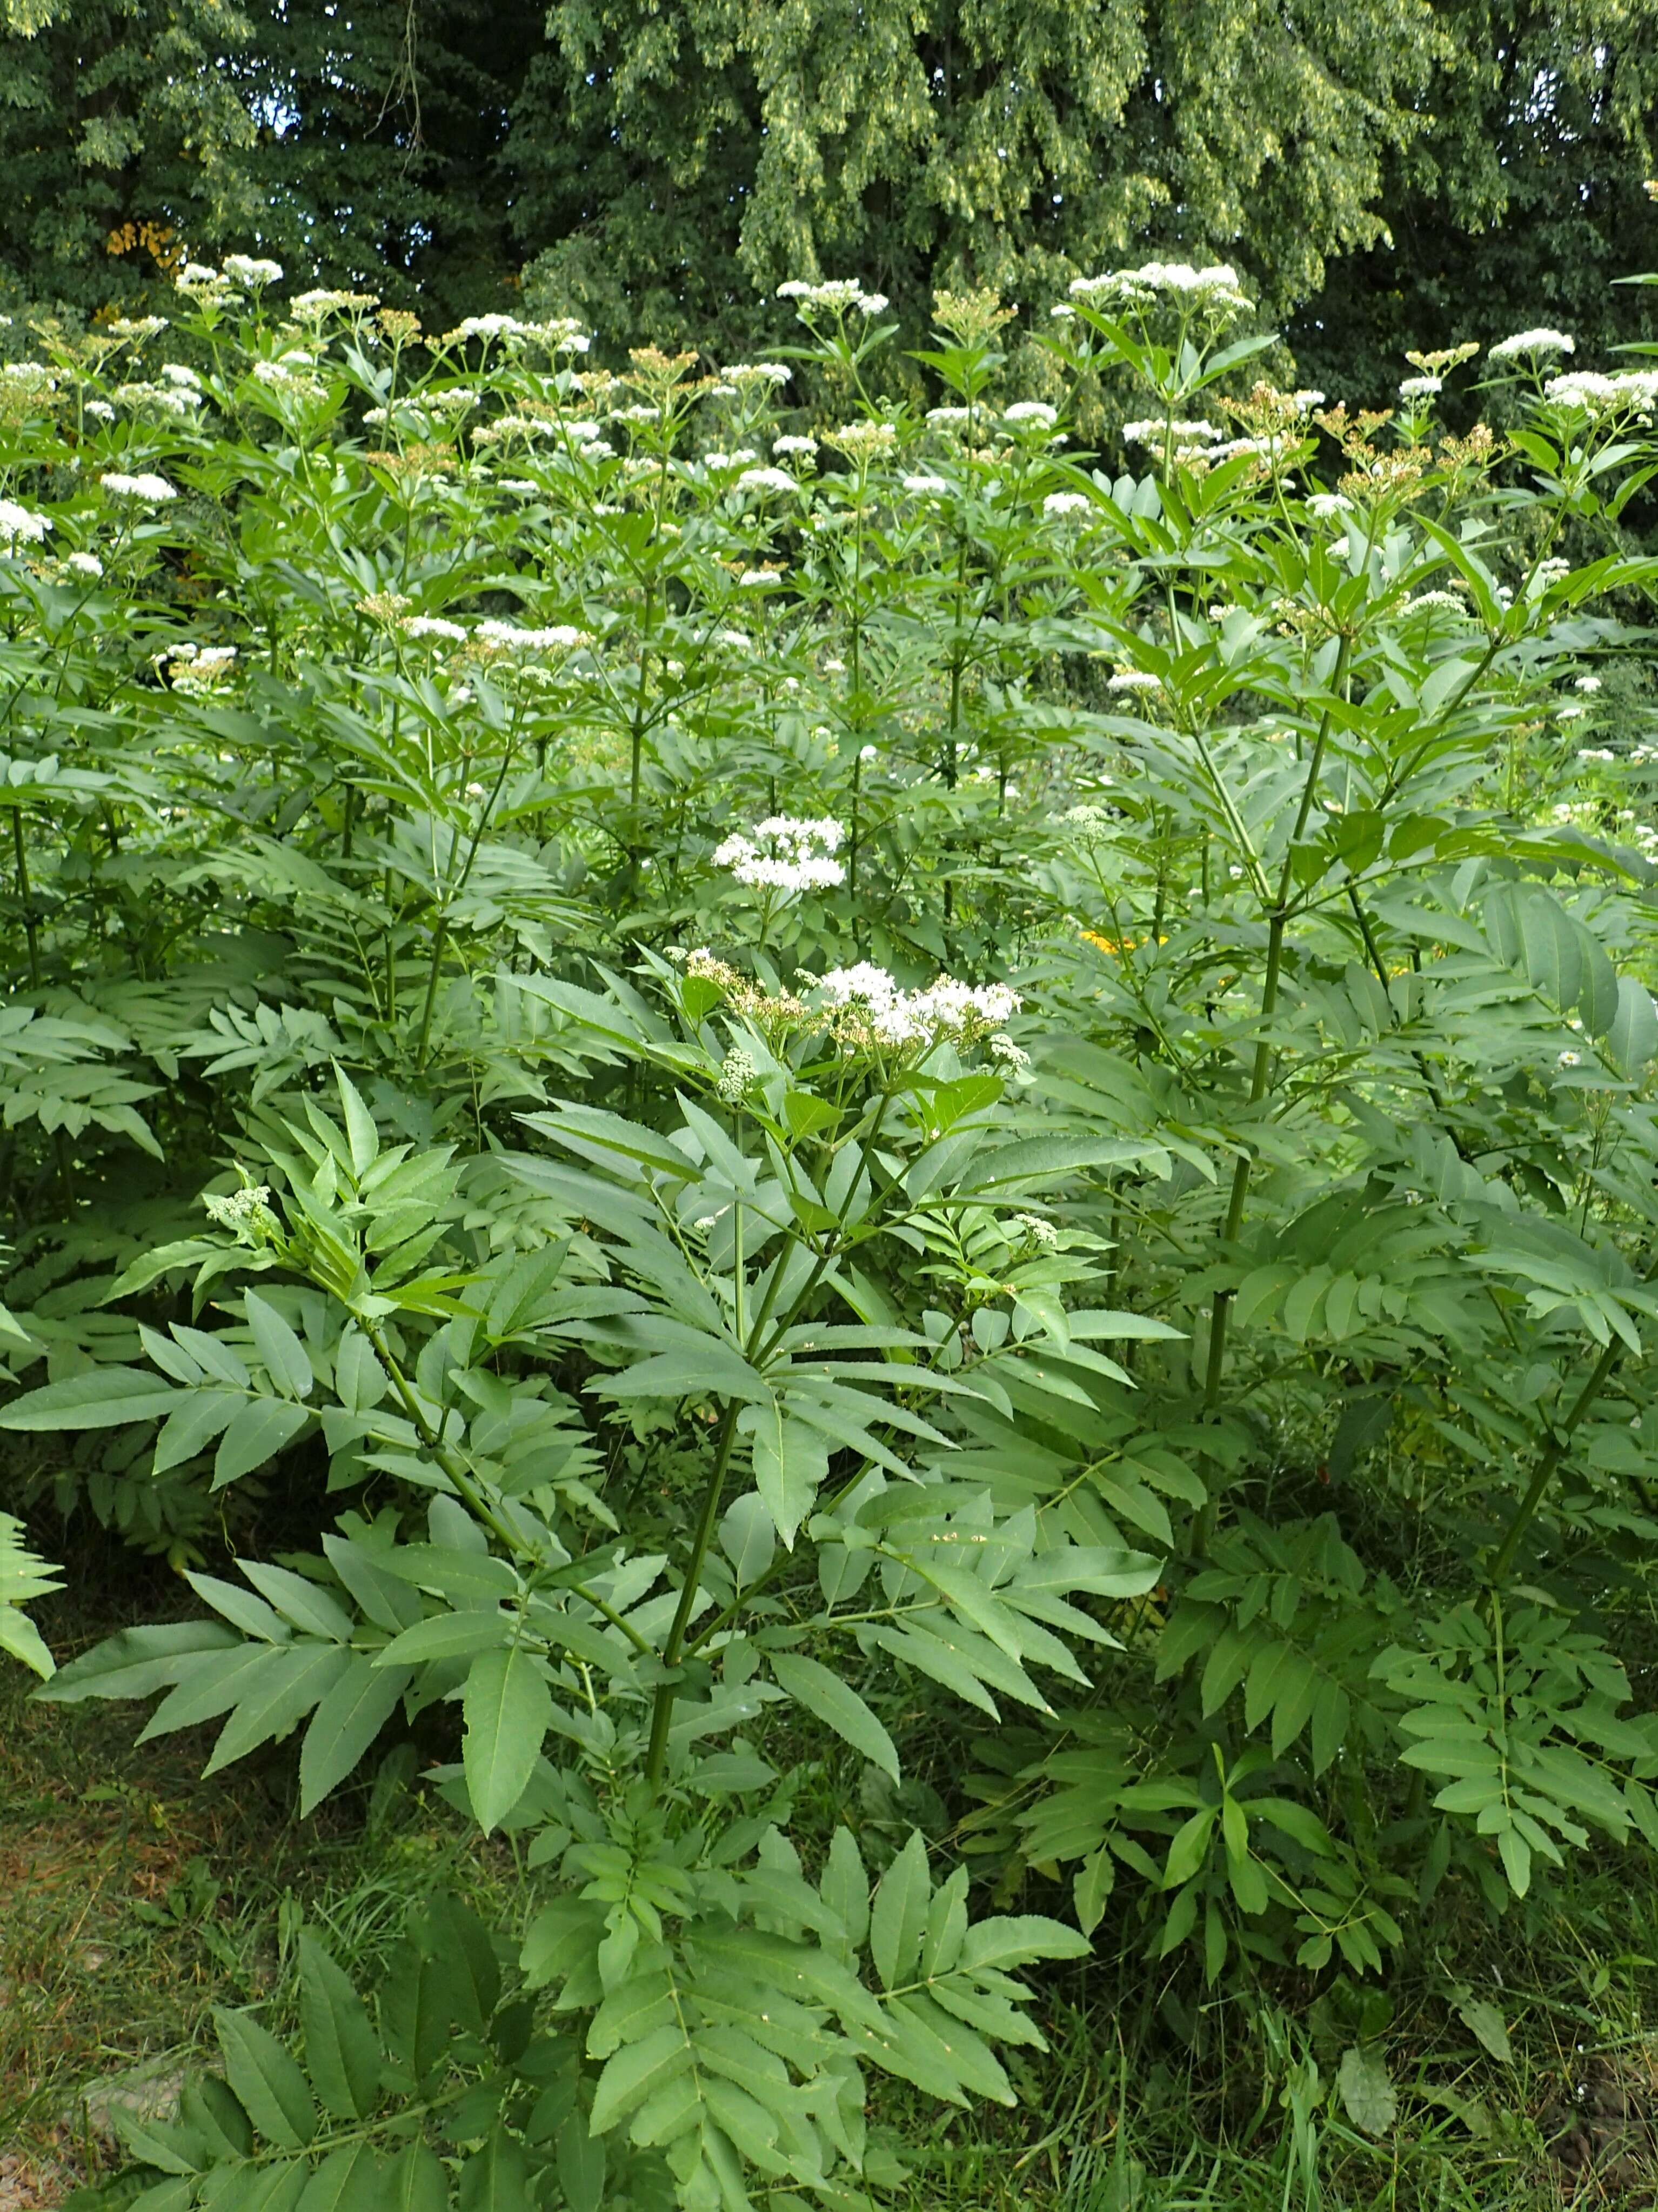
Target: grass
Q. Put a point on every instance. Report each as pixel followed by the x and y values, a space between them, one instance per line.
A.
pixel 134 1897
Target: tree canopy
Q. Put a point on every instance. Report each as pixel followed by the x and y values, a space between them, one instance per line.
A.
pixel 1384 172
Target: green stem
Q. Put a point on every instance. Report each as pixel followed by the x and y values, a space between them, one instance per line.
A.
pixel 666 1694
pixel 1549 1459
pixel 1261 1075
pixel 25 897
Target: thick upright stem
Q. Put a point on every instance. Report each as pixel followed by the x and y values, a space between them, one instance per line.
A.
pixel 707 1520
pixel 1261 1073
pixel 1549 1459
pixel 25 897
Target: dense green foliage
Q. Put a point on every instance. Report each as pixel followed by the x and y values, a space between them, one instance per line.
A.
pixel 1395 174
pixel 696 1095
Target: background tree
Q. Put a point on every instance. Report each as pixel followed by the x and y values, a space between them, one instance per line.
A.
pixel 355 146
pixel 1519 204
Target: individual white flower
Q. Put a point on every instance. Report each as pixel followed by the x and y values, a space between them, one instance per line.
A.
pixel 784 853
pixel 20 527
pixel 1036 412
pixel 1066 502
pixel 1525 343
pixel 927 487
pixel 792 442
pixel 1568 1060
pixel 868 753
pixel 767 480
pixel 433 626
pixel 151 490
pixel 1421 387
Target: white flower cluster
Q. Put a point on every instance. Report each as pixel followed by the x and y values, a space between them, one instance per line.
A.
pixel 313 305
pixel 1040 1232
pixel 785 853
pixel 288 376
pixel 246 1213
pixel 19 526
pixel 244 268
pixel 755 376
pixel 197 667
pixel 149 490
pixel 1217 286
pixel 1524 344
pixel 837 294
pixel 867 440
pixel 137 326
pixel 736 1073
pixel 177 400
pixel 506 637
pixel 486 327
pixel 1060 503
pixel 85 564
pixel 1325 506
pixel 794 443
pixel 892 1016
pixel 950 418
pixel 1150 432
pixel 434 626
pixel 1588 390
pixel 767 480
pixel 1134 679
pixel 1031 413
pixel 926 486
pixel 1421 387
